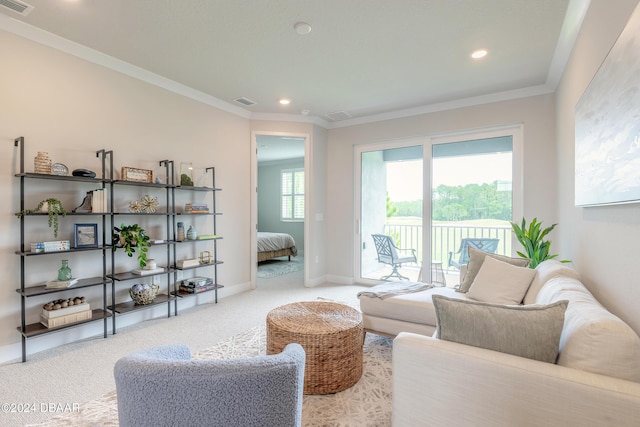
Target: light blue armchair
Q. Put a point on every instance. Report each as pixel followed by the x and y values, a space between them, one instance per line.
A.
pixel 164 386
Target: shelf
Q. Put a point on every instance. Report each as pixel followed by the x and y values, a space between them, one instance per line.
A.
pixel 183 294
pixel 33 291
pixel 199 266
pixel 141 184
pixel 190 188
pixel 63 177
pixel 199 240
pixel 45 214
pixel 198 214
pixel 129 306
pixel 29 253
pixel 142 213
pixel 39 329
pixel 131 276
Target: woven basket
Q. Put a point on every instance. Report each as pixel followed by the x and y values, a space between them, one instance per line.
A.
pixel 332 336
pixel 144 297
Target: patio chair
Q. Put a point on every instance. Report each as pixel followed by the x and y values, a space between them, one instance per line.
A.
pixel 480 243
pixel 389 253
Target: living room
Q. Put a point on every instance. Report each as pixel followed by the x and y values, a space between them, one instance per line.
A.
pixel 71 107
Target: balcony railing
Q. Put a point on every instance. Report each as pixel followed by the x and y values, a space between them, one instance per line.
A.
pixel 446 238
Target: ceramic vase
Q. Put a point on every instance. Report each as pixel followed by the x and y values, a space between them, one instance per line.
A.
pixel 191 233
pixel 42 163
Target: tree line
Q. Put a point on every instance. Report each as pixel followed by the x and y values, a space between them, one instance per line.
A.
pixel 459 203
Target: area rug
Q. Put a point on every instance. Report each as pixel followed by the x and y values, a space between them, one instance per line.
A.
pixel 367 403
pixel 274 267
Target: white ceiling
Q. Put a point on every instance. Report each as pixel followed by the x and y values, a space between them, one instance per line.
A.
pixel 373 59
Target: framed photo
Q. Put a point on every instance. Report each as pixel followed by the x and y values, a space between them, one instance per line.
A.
pixel 86 236
pixel 138 175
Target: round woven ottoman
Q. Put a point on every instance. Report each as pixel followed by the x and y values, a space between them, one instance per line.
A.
pixel 332 337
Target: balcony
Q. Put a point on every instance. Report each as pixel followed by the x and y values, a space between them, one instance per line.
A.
pixel 446 237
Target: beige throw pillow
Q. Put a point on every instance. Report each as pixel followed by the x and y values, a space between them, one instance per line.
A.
pixel 500 282
pixel 531 331
pixel 476 258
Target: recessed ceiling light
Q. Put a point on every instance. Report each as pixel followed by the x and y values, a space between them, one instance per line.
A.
pixel 478 54
pixel 302 28
pixel 284 101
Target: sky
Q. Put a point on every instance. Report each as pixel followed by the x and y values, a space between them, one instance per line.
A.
pixel 478 169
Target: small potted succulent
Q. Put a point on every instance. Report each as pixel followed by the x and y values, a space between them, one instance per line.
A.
pixel 53 207
pixel 130 238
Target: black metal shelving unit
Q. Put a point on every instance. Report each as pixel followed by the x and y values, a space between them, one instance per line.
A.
pixel 29 291
pixel 213 242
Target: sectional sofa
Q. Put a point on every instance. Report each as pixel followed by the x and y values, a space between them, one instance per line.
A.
pixel 489 363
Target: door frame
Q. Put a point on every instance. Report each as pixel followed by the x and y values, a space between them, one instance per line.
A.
pixel 516 131
pixel 254 200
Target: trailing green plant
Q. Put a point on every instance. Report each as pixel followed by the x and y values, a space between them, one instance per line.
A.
pixel 536 248
pixel 130 238
pixel 54 210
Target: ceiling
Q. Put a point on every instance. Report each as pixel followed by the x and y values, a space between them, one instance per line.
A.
pixel 364 60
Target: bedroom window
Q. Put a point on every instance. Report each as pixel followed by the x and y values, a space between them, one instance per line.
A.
pixel 292 194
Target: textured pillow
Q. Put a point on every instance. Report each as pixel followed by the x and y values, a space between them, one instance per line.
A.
pixel 500 282
pixel 546 271
pixel 531 331
pixel 476 258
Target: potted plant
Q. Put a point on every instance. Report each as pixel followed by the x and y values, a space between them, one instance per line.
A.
pixel 532 238
pixel 53 207
pixel 130 237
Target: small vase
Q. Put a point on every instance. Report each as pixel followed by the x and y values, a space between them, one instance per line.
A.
pixel 191 233
pixel 180 236
pixel 64 273
pixel 42 163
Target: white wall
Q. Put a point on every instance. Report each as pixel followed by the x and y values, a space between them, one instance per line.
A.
pixel 269 200
pixel 71 108
pixel 601 241
pixel 536 114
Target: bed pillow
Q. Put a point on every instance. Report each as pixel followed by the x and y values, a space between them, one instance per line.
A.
pixel 476 258
pixel 531 331
pixel 500 282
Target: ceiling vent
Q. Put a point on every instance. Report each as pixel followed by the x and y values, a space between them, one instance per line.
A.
pixel 339 115
pixel 16 6
pixel 242 100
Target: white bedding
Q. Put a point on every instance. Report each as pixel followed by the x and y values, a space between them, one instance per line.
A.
pixel 276 241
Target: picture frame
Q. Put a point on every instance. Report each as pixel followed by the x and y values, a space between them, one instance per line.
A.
pixel 135 174
pixel 85 236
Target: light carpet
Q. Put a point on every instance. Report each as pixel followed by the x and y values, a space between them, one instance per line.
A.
pixel 367 403
pixel 276 267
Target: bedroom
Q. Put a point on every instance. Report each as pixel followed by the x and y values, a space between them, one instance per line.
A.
pixel 281 205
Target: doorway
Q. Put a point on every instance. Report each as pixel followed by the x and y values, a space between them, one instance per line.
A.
pixel 280 207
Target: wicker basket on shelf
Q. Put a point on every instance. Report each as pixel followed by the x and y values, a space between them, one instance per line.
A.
pixel 144 296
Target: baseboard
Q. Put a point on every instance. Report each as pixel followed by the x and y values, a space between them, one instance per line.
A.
pixel 339 280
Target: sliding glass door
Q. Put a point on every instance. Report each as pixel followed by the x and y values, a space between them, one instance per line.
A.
pixel 391 205
pixel 431 197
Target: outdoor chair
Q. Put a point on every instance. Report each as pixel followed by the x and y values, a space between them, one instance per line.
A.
pixel 480 243
pixel 389 253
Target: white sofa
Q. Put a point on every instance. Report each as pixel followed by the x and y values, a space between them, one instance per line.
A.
pixel 595 381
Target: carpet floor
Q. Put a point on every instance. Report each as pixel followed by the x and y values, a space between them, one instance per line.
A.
pixel 367 403
pixel 278 267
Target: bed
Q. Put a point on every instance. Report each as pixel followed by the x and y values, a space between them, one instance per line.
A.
pixel 274 245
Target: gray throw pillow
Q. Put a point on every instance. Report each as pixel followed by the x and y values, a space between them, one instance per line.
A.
pixel 476 258
pixel 531 331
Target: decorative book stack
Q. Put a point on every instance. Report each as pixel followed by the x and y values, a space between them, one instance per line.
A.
pixel 186 263
pixel 197 284
pixel 53 246
pixel 196 208
pixel 60 284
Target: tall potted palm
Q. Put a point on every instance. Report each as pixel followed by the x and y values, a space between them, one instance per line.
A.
pixel 532 238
